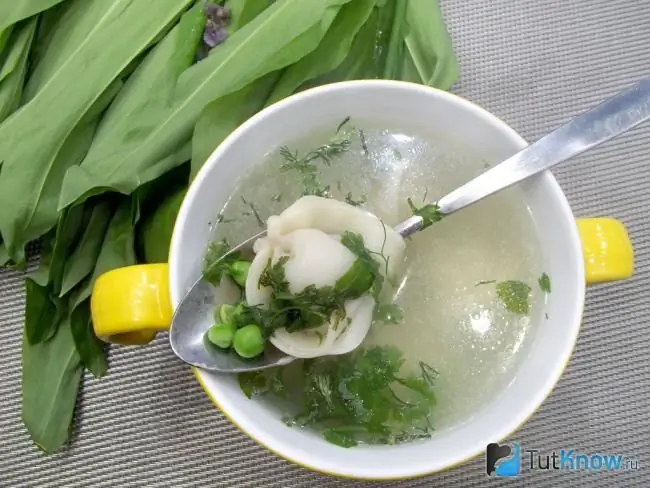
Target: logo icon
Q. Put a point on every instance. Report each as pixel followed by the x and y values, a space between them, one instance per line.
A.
pixel 503 460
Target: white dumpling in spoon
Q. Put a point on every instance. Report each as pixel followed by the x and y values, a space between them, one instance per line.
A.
pixel 307 237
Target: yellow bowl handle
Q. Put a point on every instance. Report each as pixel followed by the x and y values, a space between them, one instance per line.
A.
pixel 607 250
pixel 130 305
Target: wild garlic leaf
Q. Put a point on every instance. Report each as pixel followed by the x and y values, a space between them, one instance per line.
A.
pixel 155 231
pixel 429 46
pixel 91 350
pixel 31 140
pixel 51 373
pixel 395 49
pixel 220 118
pixel 118 250
pixel 12 11
pixel 81 261
pixel 544 282
pixel 515 296
pixel 286 32
pixel 244 11
pixel 14 69
pixel 329 54
pixel 42 312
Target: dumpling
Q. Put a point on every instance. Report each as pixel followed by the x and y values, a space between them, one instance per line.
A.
pixel 307 235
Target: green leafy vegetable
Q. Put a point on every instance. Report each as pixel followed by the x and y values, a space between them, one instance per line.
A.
pixel 430 213
pixel 14 69
pixel 51 375
pixel 329 54
pixel 128 26
pixel 288 30
pixel 220 262
pixel 515 296
pixel 155 232
pixel 42 315
pixel 395 51
pixel 355 243
pixel 244 11
pixel 429 45
pixel 90 349
pixel 81 261
pixel 224 115
pixel 355 202
pixel 12 11
pixel 545 283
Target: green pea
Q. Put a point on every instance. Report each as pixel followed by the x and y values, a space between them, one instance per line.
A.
pixel 249 341
pixel 224 314
pixel 222 335
pixel 239 272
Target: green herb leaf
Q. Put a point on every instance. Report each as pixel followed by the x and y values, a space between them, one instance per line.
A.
pixel 155 232
pixel 395 52
pixel 12 12
pixel 430 213
pixel 429 45
pixel 329 54
pixel 357 280
pixel 51 374
pixel 545 283
pixel 253 383
pixel 91 350
pixel 220 118
pixel 218 261
pixel 286 32
pixel 515 296
pixel 339 437
pixel 355 203
pixel 42 312
pixel 244 11
pixel 118 250
pixel 360 397
pixel 81 261
pixel 14 69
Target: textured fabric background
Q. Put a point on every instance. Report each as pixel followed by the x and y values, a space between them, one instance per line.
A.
pixel 532 62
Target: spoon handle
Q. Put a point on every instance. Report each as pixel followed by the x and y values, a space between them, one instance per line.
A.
pixel 603 122
pixel 600 124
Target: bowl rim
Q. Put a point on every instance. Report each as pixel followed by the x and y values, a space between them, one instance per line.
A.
pixel 548 180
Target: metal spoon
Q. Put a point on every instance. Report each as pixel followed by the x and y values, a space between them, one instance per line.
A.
pixel 603 122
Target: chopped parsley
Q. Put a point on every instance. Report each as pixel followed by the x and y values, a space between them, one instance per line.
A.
pixel 358 397
pixel 545 283
pixel 430 213
pixel 218 261
pixel 515 296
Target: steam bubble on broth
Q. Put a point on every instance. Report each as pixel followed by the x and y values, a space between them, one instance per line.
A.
pixel 307 238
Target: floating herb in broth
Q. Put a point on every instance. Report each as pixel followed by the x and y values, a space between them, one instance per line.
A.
pixel 468 337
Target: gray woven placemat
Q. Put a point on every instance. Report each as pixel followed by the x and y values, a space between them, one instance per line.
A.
pixel 532 62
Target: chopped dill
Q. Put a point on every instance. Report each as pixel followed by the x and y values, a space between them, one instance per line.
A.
pixel 364 144
pixel 356 203
pixel 545 283
pixel 221 219
pixel 252 212
pixel 277 197
pixel 342 124
pixel 485 282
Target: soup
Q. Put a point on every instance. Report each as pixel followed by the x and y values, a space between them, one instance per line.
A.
pixel 456 319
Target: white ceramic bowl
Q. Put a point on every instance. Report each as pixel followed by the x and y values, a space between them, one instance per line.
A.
pixel 459 122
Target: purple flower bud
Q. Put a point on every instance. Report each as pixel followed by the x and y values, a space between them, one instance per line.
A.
pixel 213 35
